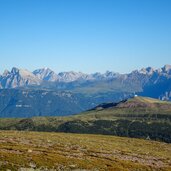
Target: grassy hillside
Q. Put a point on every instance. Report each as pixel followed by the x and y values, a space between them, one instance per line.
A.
pixel 61 151
pixel 138 117
pixel 137 106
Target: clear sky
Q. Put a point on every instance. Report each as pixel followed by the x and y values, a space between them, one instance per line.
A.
pixel 85 35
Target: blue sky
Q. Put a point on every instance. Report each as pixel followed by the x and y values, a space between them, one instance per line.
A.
pixel 85 35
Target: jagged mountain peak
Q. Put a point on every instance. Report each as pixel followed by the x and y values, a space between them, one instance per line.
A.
pixel 42 70
pixel 167 69
pixel 18 78
pixel 96 74
pixel 14 70
pixel 46 74
pixel 110 74
pixel 106 75
pixel 19 71
pixel 46 68
pixel 148 70
pixel 5 73
pixel 71 76
pixel 167 66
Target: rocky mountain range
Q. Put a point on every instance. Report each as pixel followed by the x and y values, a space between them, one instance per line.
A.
pixel 86 90
pixel 22 77
pixel 138 81
pixel 18 78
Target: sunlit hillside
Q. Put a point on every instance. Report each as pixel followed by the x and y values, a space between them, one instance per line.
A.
pixel 61 151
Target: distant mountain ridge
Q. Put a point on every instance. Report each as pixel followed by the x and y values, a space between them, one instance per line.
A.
pixel 46 74
pixel 146 81
pixel 22 77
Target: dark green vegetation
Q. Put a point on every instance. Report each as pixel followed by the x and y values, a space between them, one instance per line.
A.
pixel 25 151
pixel 136 117
pixel 24 103
pixel 30 102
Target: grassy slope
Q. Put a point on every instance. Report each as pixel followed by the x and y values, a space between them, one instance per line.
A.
pixel 72 151
pixel 137 117
pixel 154 106
pixel 135 106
